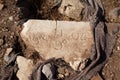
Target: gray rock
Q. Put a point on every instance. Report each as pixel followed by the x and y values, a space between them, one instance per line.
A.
pixel 115 13
pixel 49 71
pixel 71 41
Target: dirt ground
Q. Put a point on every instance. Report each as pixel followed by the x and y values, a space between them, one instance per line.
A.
pixel 8 37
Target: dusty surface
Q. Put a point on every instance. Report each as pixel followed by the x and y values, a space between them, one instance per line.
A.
pixel 53 40
pixel 8 38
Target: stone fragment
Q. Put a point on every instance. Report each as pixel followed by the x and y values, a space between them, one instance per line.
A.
pixel 1 6
pixel 25 68
pixel 71 41
pixel 71 8
pixel 115 13
pixel 11 18
pixel 49 71
pixel 7 54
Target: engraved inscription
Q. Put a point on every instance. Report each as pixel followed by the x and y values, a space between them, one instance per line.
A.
pixel 71 41
pixel 60 39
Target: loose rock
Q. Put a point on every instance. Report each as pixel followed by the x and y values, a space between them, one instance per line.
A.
pixel 49 71
pixel 51 39
pixel 25 68
pixel 71 8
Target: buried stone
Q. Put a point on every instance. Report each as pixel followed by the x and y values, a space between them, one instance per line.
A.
pixel 71 41
pixel 71 8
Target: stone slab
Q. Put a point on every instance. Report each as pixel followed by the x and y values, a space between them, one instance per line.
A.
pixel 71 8
pixel 25 68
pixel 71 41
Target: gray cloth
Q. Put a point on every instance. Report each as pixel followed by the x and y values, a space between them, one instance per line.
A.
pixel 103 41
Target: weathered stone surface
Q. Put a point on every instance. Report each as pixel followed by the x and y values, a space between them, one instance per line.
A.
pixel 25 68
pixel 71 8
pixel 11 18
pixel 71 41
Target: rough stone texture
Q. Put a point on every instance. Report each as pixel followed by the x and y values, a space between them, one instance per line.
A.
pixel 25 68
pixel 71 8
pixel 71 41
pixel 49 71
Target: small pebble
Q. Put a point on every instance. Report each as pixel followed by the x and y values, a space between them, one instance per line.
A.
pixel 48 70
pixel 11 18
pixel 118 48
